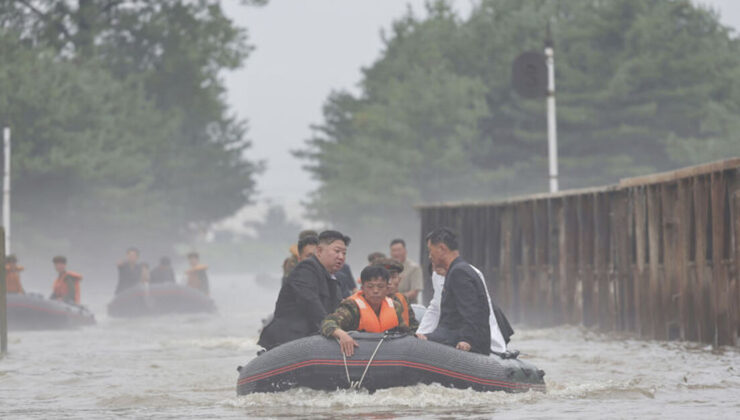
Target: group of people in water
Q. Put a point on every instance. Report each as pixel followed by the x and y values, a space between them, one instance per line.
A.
pixel 319 295
pixel 131 272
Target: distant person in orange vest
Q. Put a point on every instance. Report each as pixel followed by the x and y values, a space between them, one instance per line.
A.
pixel 295 257
pixel 13 275
pixel 196 274
pixel 67 284
pixel 370 310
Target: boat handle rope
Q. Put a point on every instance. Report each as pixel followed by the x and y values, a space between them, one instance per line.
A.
pixel 358 384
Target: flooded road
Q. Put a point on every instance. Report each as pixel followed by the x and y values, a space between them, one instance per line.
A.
pixel 185 367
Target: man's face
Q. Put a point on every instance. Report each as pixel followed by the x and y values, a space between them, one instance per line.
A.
pixel 307 251
pixel 398 252
pixel 375 290
pixel 60 267
pixel 132 257
pixel 395 280
pixel 332 255
pixel 437 253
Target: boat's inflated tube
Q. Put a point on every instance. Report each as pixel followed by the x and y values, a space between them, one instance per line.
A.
pixel 400 360
pixel 32 311
pixel 159 299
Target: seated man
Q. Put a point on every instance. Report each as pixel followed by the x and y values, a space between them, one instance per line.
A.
pixel 13 275
pixel 369 310
pixel 67 285
pixel 310 292
pixel 464 308
pixel 162 273
pixel 395 268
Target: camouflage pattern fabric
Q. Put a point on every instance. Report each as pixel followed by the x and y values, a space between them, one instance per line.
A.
pixel 347 317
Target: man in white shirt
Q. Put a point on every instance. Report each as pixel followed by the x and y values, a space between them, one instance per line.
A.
pixel 431 316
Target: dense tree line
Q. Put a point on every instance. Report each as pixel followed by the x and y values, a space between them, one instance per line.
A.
pixel 643 86
pixel 122 132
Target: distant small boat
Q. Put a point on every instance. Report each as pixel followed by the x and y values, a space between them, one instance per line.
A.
pixel 32 311
pixel 399 360
pixel 159 299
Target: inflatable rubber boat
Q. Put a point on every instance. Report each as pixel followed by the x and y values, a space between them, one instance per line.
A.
pixel 382 361
pixel 33 311
pixel 159 299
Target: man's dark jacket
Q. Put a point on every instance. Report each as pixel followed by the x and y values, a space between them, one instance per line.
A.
pixel 307 296
pixel 464 308
pixel 128 276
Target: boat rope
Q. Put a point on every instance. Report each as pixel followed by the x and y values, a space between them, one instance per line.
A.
pixel 358 384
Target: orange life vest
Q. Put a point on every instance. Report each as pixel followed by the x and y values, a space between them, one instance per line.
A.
pixel 405 304
pixel 369 320
pixel 61 289
pixel 13 279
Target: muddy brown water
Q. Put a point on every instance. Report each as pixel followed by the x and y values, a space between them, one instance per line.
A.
pixel 183 367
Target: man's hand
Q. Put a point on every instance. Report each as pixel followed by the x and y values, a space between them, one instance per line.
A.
pixel 346 343
pixel 421 336
pixel 463 345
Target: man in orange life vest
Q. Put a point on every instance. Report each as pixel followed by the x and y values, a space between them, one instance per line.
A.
pixel 395 268
pixel 196 274
pixel 370 310
pixel 67 284
pixel 13 275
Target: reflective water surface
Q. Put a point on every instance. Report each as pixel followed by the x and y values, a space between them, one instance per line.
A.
pixel 185 367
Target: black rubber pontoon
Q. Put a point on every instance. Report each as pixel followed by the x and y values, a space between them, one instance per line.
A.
pixel 33 311
pixel 316 362
pixel 159 299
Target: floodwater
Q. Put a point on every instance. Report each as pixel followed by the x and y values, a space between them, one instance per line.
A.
pixel 184 367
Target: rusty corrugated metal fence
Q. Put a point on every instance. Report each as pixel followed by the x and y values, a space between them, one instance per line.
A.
pixel 657 255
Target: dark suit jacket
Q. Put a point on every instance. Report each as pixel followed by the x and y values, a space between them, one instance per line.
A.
pixel 307 296
pixel 464 307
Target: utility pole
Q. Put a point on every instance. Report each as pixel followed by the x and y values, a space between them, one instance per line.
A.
pixel 3 297
pixel 552 127
pixel 6 187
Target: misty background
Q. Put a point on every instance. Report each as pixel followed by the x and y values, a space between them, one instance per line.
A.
pixel 226 127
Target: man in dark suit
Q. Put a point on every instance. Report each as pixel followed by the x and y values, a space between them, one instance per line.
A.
pixel 310 292
pixel 464 309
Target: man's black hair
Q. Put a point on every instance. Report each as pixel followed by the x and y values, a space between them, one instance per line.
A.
pixel 193 255
pixel 133 249
pixel 165 261
pixel 443 235
pixel 328 236
pixel 11 258
pixel 398 241
pixel 308 240
pixel 373 272
pixel 59 259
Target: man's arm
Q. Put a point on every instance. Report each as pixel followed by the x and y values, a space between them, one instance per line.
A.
pixel 335 325
pixel 467 301
pixel 303 281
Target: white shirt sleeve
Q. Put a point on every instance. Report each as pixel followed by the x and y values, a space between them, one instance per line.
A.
pixel 431 316
pixel 498 344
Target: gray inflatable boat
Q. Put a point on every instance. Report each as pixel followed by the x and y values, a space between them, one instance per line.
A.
pixel 382 361
pixel 159 299
pixel 33 311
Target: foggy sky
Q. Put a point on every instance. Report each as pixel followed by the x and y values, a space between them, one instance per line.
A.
pixel 304 50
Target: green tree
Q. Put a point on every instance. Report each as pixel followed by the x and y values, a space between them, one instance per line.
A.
pixel 642 86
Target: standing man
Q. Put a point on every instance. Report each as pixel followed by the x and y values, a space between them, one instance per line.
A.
pixel 464 308
pixel 196 274
pixel 67 285
pixel 13 275
pixel 310 292
pixel 294 257
pixel 411 278
pixel 130 271
pixel 395 269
